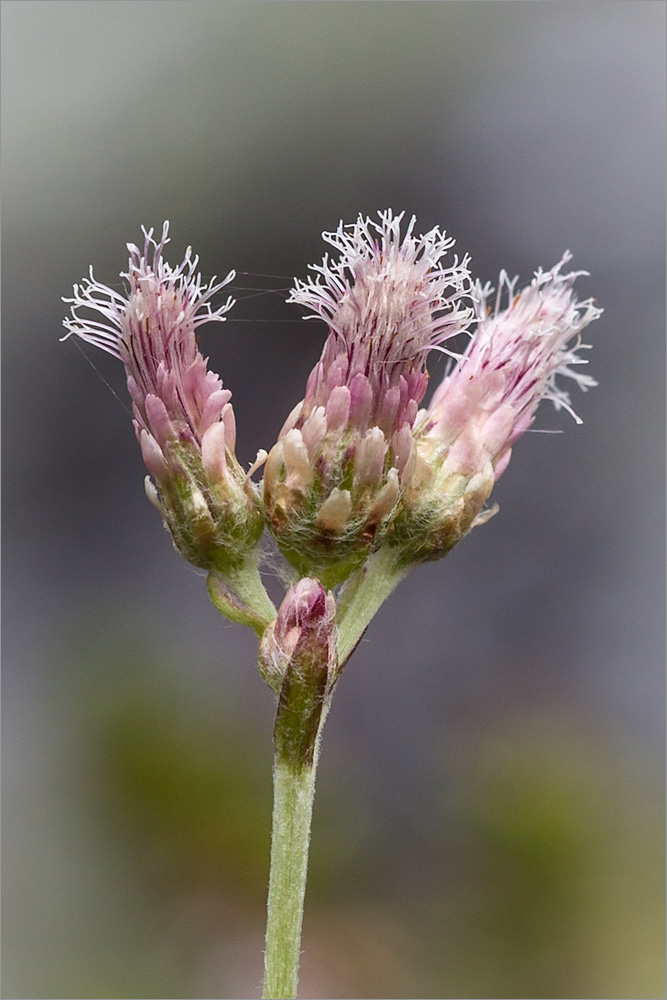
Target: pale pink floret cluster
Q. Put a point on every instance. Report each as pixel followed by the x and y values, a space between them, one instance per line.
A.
pixel 387 301
pixel 177 402
pixel 522 344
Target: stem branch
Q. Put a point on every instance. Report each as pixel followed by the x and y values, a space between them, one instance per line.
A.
pixel 241 596
pixel 362 597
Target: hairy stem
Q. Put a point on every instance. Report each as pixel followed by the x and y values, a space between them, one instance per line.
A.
pixel 304 697
pixel 294 790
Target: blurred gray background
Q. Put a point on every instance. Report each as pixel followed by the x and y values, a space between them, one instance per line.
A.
pixel 489 816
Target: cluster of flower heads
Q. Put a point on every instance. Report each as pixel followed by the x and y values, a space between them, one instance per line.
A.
pixel 357 464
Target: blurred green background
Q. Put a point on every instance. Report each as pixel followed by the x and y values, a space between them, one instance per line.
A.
pixel 489 818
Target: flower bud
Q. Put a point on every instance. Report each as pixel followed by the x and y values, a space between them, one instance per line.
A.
pixel 298 659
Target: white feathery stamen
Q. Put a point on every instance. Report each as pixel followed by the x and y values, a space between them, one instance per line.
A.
pixel 182 282
pixel 388 295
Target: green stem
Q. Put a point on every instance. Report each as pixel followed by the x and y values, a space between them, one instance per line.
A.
pixel 303 702
pixel 293 792
pixel 241 596
pixel 363 595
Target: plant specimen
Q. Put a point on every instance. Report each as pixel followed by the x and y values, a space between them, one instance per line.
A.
pixel 362 484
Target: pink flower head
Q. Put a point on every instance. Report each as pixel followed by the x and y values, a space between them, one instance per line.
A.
pixel 333 479
pixel 512 362
pixel 182 414
pixel 464 439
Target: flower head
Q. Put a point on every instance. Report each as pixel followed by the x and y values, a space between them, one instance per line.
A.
pixel 333 479
pixel 488 400
pixel 183 417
